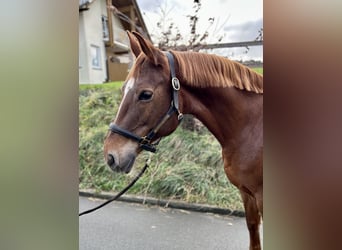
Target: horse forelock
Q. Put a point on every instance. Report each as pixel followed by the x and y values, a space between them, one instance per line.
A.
pixel 205 70
pixel 140 65
pixel 134 71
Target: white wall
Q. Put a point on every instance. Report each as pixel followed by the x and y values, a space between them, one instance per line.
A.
pixel 83 69
pixel 92 35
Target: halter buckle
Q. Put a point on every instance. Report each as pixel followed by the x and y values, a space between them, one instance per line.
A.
pixel 144 140
pixel 175 83
pixel 145 144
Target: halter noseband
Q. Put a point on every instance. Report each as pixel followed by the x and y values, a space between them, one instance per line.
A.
pixel 145 142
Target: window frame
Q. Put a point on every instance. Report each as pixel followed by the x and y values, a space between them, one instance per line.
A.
pixel 95 53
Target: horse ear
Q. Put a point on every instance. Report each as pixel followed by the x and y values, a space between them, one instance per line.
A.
pixel 135 47
pixel 148 49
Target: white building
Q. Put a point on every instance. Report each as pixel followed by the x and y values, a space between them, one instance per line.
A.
pixel 103 43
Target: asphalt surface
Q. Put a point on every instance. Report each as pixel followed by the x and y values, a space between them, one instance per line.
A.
pixel 122 225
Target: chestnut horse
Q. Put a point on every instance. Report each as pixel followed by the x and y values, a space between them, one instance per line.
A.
pixel 225 95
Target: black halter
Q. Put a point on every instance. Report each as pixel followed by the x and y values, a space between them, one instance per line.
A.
pixel 145 142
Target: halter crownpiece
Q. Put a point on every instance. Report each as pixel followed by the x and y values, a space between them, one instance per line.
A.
pixel 175 85
pixel 145 142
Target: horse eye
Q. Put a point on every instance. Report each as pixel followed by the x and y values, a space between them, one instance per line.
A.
pixel 145 95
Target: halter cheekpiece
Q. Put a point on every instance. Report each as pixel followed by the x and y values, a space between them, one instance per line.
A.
pixel 145 142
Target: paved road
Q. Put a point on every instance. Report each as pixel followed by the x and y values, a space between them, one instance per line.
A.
pixel 124 226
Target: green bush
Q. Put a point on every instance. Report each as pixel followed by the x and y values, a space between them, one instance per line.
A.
pixel 187 165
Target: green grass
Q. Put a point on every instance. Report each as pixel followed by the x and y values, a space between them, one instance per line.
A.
pixel 259 70
pixel 109 85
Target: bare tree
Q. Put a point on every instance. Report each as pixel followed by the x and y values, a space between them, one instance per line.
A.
pixel 260 36
pixel 169 36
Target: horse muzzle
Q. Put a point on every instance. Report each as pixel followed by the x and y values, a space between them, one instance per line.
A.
pixel 118 165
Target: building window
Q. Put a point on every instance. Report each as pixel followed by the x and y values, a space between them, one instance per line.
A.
pixel 95 56
pixel 105 30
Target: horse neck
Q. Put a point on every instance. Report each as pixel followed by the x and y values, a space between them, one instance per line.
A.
pixel 226 112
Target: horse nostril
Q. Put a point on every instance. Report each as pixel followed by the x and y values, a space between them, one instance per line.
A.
pixel 110 160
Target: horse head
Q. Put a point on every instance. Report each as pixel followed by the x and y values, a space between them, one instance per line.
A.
pixel 144 115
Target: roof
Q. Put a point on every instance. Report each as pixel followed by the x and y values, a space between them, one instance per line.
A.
pixel 122 11
pixel 84 4
pixel 139 22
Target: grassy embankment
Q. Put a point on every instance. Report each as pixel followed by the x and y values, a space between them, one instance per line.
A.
pixel 187 166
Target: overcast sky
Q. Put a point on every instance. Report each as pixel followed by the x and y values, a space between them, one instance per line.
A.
pixel 238 20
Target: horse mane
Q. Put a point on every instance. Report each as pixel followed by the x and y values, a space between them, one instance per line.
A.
pixel 206 70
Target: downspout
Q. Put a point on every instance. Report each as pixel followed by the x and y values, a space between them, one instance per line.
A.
pixel 110 23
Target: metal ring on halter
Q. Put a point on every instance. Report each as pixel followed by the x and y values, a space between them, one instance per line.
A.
pixel 175 83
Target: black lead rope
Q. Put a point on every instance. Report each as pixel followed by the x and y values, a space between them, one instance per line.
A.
pixel 118 195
